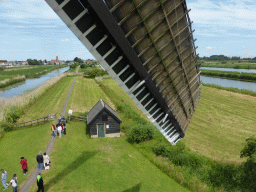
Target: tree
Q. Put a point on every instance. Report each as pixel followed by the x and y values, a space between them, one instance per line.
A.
pixel 33 62
pixel 248 168
pixel 250 149
pixel 78 60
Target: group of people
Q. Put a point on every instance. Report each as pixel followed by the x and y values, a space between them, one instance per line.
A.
pixel 60 127
pixel 42 160
pixel 13 182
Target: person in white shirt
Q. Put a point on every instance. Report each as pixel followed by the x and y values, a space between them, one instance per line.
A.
pixel 14 183
pixel 46 161
pixel 59 128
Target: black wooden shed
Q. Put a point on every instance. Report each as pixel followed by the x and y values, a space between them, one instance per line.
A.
pixel 103 121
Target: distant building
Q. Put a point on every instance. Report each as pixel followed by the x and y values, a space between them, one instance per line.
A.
pixel 103 121
pixel 24 62
pixel 57 61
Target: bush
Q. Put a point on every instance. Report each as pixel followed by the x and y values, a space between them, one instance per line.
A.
pixel 95 73
pixel 140 133
pixel 13 115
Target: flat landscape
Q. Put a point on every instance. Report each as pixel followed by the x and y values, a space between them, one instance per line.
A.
pixel 222 122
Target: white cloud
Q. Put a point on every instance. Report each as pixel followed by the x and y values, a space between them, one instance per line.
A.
pixel 210 48
pixel 65 40
pixel 233 13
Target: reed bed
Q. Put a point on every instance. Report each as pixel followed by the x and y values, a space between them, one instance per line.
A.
pixel 10 81
pixel 21 101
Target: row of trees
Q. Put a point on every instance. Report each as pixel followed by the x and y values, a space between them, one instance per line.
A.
pixel 224 58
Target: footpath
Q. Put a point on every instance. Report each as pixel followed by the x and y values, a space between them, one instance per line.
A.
pixel 32 177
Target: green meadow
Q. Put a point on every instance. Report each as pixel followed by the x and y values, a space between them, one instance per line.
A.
pixel 218 129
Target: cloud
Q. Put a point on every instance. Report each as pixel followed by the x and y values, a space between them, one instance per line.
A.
pixel 229 14
pixel 65 40
pixel 210 48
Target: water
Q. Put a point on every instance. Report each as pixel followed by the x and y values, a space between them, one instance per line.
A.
pixel 229 83
pixel 31 83
pixel 230 69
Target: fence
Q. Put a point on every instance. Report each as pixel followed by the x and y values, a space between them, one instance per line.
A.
pixel 80 118
pixel 49 117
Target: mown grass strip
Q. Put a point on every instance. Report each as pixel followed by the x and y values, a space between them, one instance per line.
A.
pixel 80 163
pixel 235 90
pixel 251 77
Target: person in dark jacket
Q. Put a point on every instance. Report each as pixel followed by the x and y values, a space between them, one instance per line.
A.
pixel 40 161
pixel 40 183
pixel 24 164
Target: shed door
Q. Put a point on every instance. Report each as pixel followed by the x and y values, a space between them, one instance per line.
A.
pixel 101 131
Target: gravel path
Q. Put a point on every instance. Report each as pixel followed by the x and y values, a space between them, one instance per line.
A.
pixel 32 177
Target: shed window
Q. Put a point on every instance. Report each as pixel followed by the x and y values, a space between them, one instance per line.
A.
pixel 105 117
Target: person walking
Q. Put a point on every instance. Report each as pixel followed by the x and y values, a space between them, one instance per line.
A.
pixel 46 161
pixel 40 183
pixel 14 183
pixel 24 164
pixel 53 130
pixel 65 129
pixel 40 161
pixel 4 178
pixel 59 128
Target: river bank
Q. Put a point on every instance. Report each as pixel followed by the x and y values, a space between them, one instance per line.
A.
pixel 11 76
pixel 250 77
pixel 228 64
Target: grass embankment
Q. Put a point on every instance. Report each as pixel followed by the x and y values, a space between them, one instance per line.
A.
pixel 251 77
pixel 22 101
pixel 228 64
pixel 50 103
pixel 80 163
pixel 23 143
pixel 9 80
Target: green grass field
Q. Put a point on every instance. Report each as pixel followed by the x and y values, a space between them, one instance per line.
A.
pixel 23 143
pixel 50 103
pixel 86 93
pixel 221 123
pixel 80 163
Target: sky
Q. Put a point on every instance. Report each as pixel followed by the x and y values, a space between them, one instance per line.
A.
pixel 31 29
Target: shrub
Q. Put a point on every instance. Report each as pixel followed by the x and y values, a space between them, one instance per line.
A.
pixel 13 115
pixel 95 73
pixel 140 132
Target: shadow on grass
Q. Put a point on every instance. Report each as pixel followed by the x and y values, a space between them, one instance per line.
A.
pixel 71 167
pixel 136 188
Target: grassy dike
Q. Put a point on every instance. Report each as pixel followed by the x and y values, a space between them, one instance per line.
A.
pixel 251 77
pixel 80 163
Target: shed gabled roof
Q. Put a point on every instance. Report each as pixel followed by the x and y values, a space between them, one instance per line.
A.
pixel 98 108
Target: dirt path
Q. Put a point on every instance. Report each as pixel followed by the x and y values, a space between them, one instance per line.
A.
pixel 32 177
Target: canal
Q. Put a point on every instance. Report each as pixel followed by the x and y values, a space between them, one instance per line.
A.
pixel 31 83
